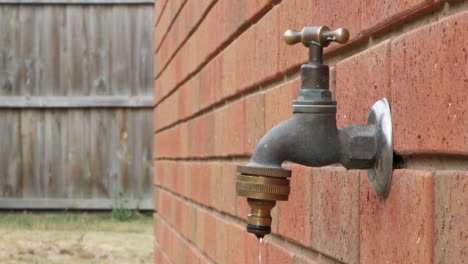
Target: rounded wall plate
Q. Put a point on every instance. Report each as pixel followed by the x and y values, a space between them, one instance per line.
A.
pixel 380 177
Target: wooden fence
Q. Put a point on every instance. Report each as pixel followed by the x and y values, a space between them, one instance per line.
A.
pixel 75 103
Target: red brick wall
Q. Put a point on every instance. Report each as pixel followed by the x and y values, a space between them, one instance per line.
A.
pixel 224 77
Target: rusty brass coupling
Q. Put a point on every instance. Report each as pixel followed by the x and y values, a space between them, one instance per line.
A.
pixel 262 187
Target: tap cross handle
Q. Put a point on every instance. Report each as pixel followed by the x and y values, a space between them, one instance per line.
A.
pixel 321 35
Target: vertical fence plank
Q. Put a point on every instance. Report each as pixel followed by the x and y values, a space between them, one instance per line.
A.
pixel 10 157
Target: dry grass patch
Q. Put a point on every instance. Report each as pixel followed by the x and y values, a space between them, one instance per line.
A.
pixel 74 238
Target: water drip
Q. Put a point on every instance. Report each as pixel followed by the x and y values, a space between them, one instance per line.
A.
pixel 260 251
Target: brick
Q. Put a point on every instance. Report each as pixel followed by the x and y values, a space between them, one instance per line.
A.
pixel 171 9
pixel 184 139
pixel 218 26
pixel 331 14
pixel 266 47
pixel 191 256
pixel 275 222
pixel 294 214
pixel 251 248
pixel 451 214
pixel 217 190
pixel 178 214
pixel 400 228
pixel 156 198
pixel 189 16
pixel 255 120
pixel 187 219
pixel 211 82
pixel 191 91
pixel 188 180
pixel 228 181
pixel 210 243
pixel 304 260
pixel 198 228
pixel 200 136
pixel 235 243
pixel 158 10
pixel 156 226
pixel 242 208
pixel 335 213
pixel 183 95
pixel 201 183
pixel 166 205
pixel 172 246
pixel 204 260
pixel 236 13
pixel 361 80
pixel 173 179
pixel 191 144
pixel 197 49
pixel 166 82
pixel 158 172
pixel 274 253
pixel 158 258
pixel 165 259
pixel 278 103
pixel 179 249
pixel 210 134
pixel 167 174
pixel 429 80
pixel 194 234
pixel 165 143
pixel 221 129
pixel 245 61
pixel 164 238
pixel 230 129
pixel 162 54
pixel 230 77
pixel 255 7
pixel 222 240
pixel 179 181
pixel 378 16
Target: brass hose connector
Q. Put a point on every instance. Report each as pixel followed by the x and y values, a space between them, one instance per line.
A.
pixel 262 187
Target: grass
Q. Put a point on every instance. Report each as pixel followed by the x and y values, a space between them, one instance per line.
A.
pixel 70 237
pixel 74 221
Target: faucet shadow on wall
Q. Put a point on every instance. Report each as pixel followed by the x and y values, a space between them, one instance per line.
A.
pixel 311 138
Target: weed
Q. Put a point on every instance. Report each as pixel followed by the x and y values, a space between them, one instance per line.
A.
pixel 121 210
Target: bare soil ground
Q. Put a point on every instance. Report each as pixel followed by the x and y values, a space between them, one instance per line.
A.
pixel 74 238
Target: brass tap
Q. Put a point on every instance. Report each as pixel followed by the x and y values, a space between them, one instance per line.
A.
pixel 311 138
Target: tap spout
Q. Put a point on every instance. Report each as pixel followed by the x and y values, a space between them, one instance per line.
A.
pixel 306 139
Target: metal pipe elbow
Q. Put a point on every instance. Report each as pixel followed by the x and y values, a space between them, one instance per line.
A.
pixel 306 139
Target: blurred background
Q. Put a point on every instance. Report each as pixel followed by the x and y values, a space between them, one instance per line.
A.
pixel 76 98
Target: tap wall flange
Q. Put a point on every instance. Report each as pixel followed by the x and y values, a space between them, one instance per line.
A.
pixel 380 176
